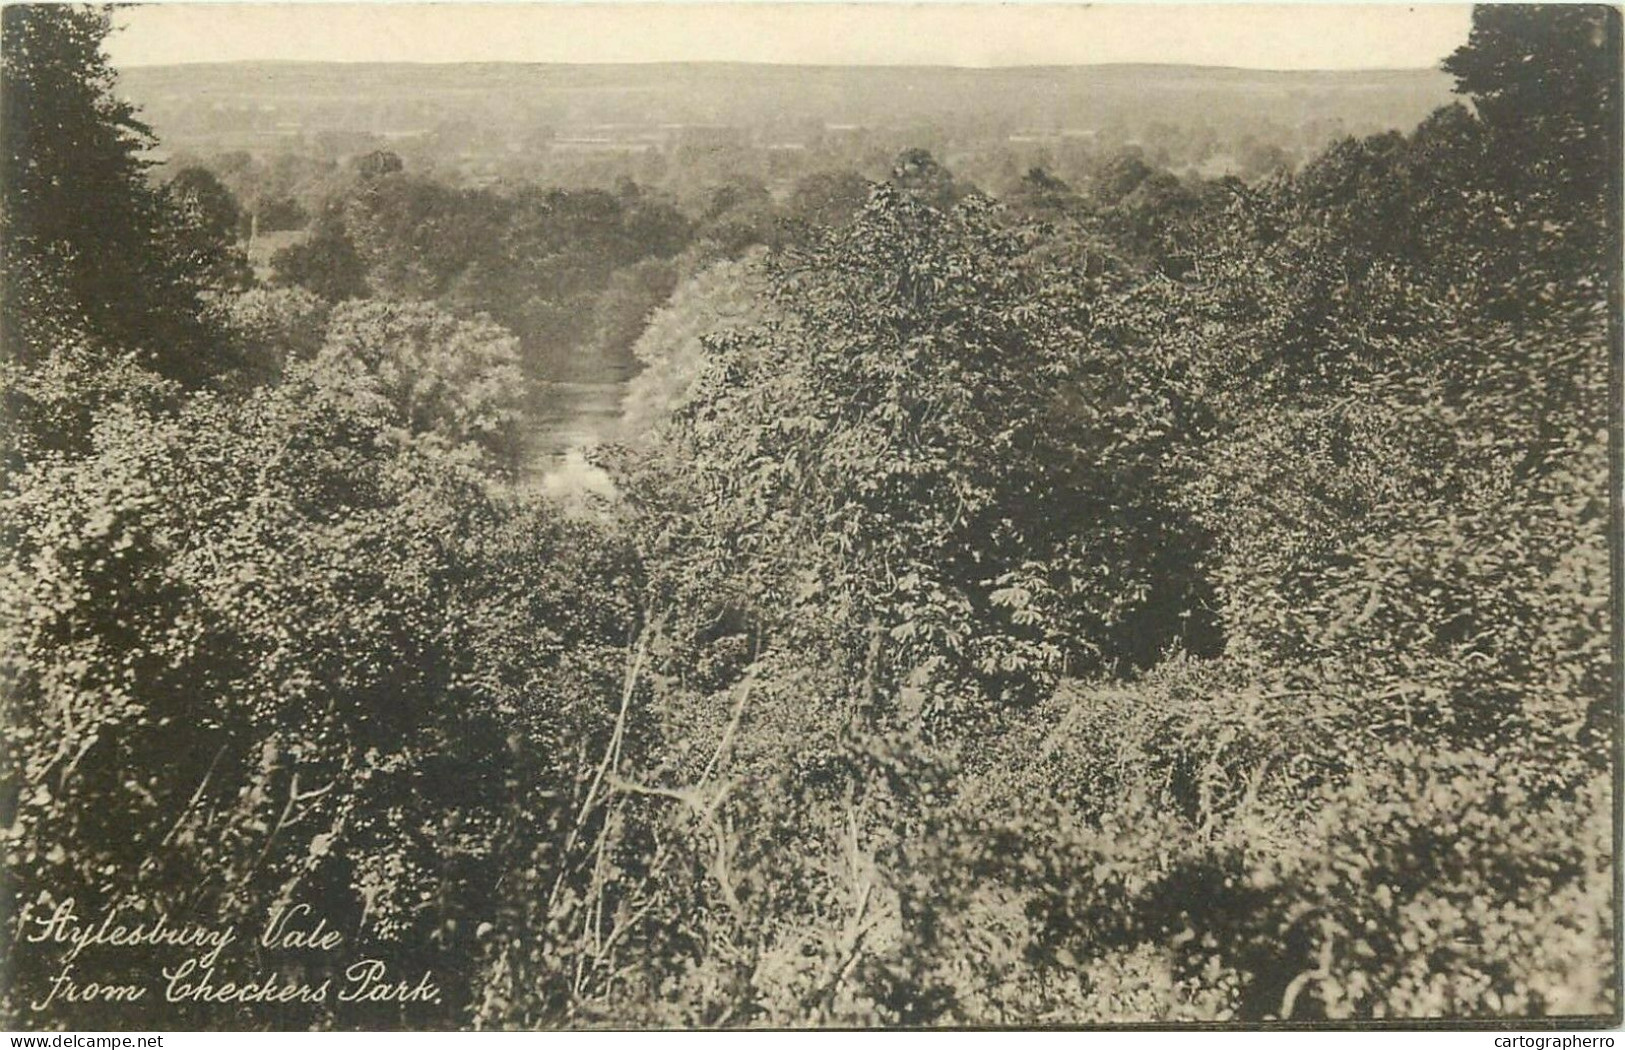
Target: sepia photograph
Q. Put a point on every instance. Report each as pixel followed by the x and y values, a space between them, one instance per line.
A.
pixel 836 516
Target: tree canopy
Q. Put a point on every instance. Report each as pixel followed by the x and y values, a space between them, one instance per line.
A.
pixel 101 249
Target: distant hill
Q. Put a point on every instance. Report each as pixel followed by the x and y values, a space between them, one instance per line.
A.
pixel 255 105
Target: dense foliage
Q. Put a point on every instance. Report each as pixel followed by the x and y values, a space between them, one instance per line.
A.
pixel 1139 600
pixel 91 245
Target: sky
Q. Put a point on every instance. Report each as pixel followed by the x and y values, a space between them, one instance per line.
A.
pixel 1280 36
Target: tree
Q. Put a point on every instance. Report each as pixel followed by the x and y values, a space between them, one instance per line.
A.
pixel 927 448
pixel 254 651
pixel 102 245
pixel 279 212
pixel 205 201
pixel 828 198
pixel 209 222
pixel 547 268
pixel 656 225
pixel 273 327
pixel 415 235
pixel 453 382
pixel 325 263
pixel 727 296
pixel 1545 79
pixel 737 214
pixel 1042 195
pixel 378 163
pixel 1119 177
pixel 919 176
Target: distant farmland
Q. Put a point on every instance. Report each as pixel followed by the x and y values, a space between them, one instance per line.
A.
pixel 493 111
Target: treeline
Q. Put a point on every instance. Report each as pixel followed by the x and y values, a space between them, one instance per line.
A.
pixel 1130 601
pixel 676 127
pixel 572 274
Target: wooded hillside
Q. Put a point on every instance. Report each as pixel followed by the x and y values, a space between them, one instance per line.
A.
pixel 1132 598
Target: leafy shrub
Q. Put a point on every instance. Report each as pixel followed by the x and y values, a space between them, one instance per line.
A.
pixel 895 457
pixel 271 327
pixel 255 652
pixel 453 381
pixel 725 297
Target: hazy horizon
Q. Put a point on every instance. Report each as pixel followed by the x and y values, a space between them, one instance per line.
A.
pixel 1259 38
pixel 783 65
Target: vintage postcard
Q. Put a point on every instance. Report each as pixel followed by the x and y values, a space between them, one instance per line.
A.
pixel 809 516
